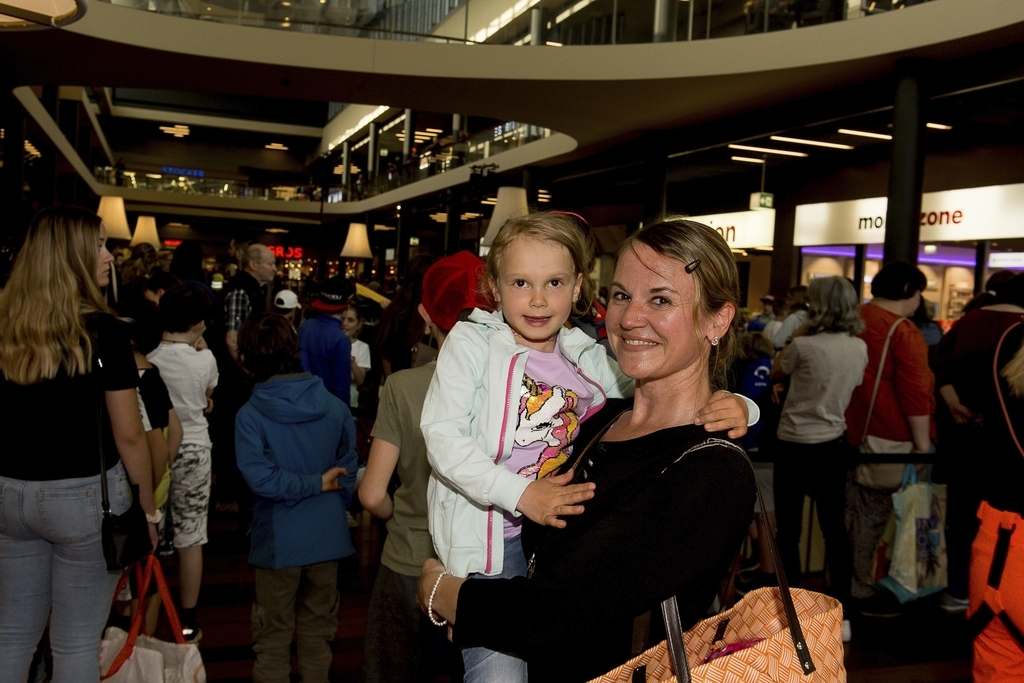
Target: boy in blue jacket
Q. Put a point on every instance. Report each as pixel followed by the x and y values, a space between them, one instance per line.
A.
pixel 295 446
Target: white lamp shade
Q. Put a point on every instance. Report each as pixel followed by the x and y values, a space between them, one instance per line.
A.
pixel 357 244
pixel 511 203
pixel 145 232
pixel 111 212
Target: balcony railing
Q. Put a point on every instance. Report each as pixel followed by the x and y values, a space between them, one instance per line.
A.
pixel 432 161
pixel 572 22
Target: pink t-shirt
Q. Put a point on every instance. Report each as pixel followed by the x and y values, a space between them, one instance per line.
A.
pixel 552 400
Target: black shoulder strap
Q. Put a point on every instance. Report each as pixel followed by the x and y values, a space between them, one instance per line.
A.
pixel 670 607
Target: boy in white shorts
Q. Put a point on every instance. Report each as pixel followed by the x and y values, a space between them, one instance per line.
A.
pixel 189 370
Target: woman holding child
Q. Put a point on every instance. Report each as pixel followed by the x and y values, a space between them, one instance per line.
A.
pixel 670 503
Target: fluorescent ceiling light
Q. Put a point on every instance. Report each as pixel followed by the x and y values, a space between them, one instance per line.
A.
pixel 277 146
pixel 939 126
pixel 865 134
pixel 552 43
pixel 748 160
pixel 767 150
pixel 816 143
pixel 434 130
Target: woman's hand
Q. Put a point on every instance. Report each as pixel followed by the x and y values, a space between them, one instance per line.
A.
pixel 428 577
pixel 724 411
pixel 154 536
pixel 446 593
pixel 545 500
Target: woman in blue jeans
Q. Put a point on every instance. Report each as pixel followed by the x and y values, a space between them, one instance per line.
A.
pixel 61 352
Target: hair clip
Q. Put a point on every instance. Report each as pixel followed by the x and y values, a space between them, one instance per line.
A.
pixel 692 265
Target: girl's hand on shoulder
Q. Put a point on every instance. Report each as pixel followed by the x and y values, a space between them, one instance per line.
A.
pixel 724 411
pixel 545 500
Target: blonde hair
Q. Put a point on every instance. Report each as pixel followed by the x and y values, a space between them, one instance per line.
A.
pixel 1013 373
pixel 548 227
pixel 52 287
pixel 715 278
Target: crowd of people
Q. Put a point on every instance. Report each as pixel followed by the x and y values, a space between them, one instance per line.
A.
pixel 550 466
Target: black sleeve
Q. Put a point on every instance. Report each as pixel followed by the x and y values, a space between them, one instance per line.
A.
pixel 114 355
pixel 677 537
pixel 155 398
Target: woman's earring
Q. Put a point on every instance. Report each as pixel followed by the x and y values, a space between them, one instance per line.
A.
pixel 714 341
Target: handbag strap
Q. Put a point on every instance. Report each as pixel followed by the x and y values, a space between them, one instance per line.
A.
pixel 878 376
pixel 100 398
pixel 999 389
pixel 670 607
pixel 152 571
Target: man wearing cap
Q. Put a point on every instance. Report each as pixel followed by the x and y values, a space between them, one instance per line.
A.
pixel 451 289
pixel 324 348
pixel 248 292
pixel 758 322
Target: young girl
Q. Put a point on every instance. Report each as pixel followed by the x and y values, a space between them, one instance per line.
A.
pixel 352 325
pixel 506 402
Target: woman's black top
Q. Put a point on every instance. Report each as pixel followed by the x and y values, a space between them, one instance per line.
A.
pixel 659 524
pixel 49 428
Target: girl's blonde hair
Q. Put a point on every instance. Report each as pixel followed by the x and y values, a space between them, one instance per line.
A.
pixel 548 227
pixel 716 281
pixel 52 287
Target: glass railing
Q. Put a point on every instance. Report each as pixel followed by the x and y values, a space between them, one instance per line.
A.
pixel 443 158
pixel 573 22
pixel 431 161
pixel 205 185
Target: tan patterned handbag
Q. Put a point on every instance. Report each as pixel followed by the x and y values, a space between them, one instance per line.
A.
pixel 802 632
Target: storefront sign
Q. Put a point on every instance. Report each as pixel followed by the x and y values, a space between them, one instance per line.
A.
pixel 1008 259
pixel 743 229
pixel 954 215
pixel 188 172
pixel 285 252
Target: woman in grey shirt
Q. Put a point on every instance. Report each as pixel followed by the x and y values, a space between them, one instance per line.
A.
pixel 826 361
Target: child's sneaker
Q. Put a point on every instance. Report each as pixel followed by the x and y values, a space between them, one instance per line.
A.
pixel 193 634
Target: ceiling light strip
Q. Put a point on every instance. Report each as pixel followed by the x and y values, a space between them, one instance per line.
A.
pixel 865 134
pixel 815 143
pixel 768 150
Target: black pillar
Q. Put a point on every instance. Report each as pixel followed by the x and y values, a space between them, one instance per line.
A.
pixel 655 186
pixel 980 264
pixel 785 257
pixel 906 171
pixel 12 178
pixel 859 264
pixel 453 226
pixel 530 185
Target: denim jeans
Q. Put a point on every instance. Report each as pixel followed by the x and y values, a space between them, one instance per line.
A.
pixel 488 666
pixel 51 565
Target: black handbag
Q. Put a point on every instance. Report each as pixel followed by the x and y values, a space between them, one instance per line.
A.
pixel 126 536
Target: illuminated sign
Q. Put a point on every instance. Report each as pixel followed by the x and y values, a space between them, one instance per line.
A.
pixel 286 252
pixel 187 172
pixel 172 243
pixel 976 213
pixel 1006 259
pixel 743 229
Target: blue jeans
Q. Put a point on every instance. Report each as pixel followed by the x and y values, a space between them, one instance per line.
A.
pixel 51 565
pixel 487 666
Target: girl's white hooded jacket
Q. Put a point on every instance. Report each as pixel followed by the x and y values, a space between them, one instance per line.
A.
pixel 469 422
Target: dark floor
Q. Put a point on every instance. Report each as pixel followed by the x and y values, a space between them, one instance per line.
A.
pixel 923 645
